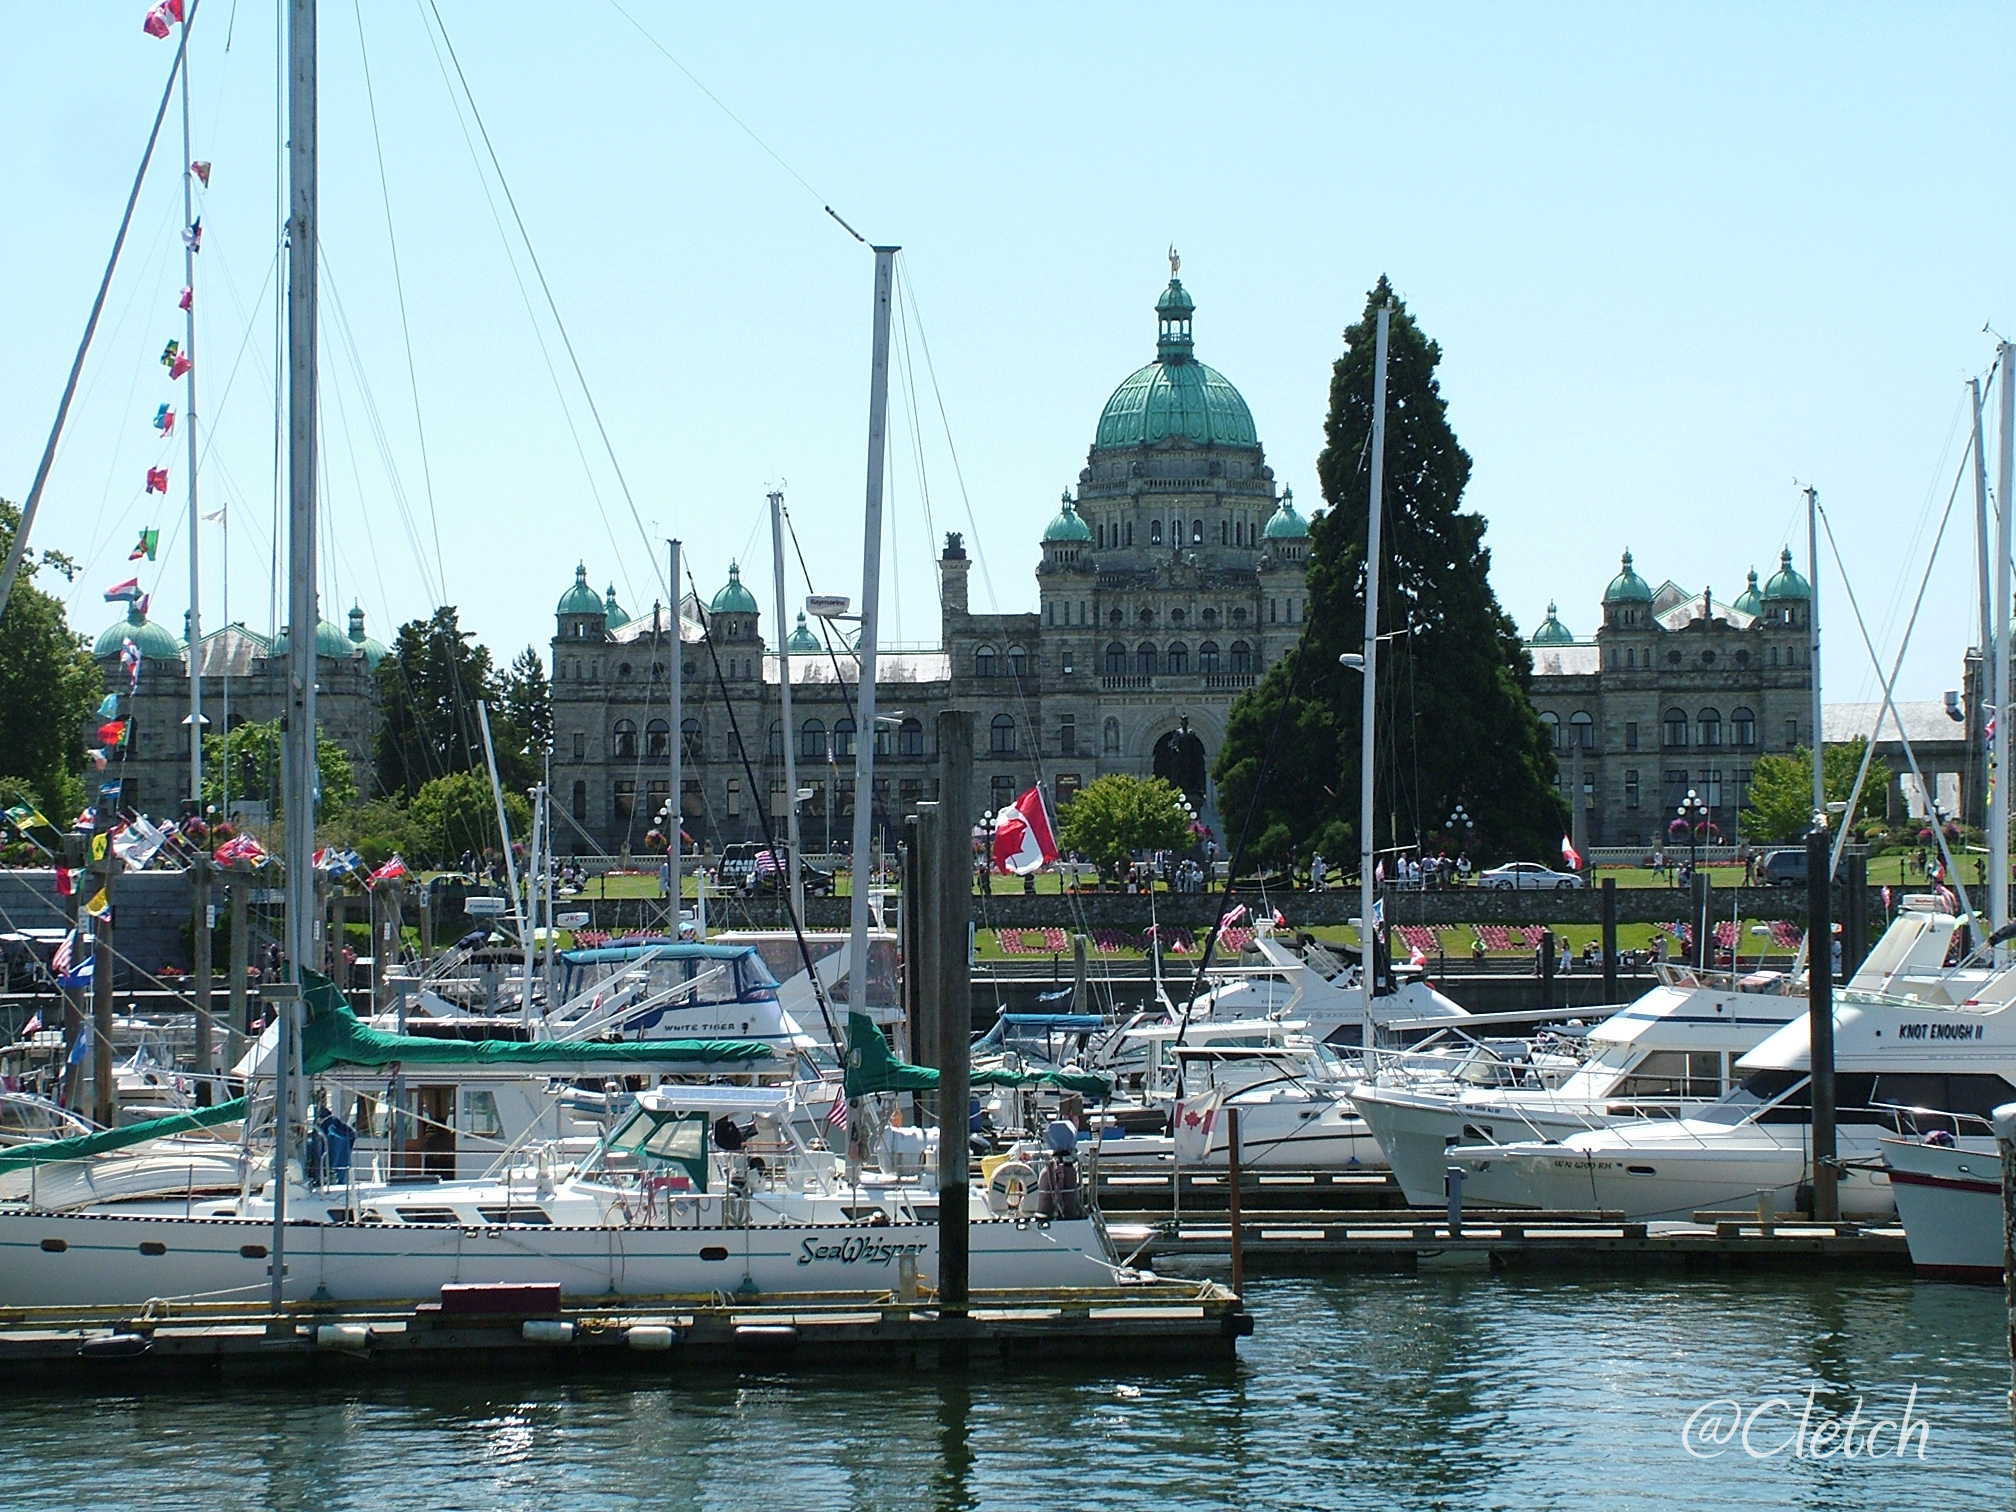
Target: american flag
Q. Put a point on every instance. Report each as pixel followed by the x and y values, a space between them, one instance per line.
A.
pixel 767 864
pixel 837 1114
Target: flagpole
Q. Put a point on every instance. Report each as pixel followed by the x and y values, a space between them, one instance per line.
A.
pixel 200 868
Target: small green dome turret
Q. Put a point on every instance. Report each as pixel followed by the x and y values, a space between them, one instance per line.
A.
pixel 373 651
pixel 1552 632
pixel 1067 526
pixel 613 611
pixel 580 599
pixel 1285 524
pixel 733 599
pixel 1747 600
pixel 329 641
pixel 1627 587
pixel 802 639
pixel 1785 582
pixel 155 642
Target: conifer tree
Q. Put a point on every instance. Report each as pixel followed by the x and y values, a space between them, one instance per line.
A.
pixel 1454 723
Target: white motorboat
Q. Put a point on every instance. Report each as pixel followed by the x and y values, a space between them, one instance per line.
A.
pixel 1319 990
pixel 1901 1066
pixel 1949 1200
pixel 1667 1055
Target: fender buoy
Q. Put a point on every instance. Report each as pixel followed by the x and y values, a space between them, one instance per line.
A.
pixel 1011 1180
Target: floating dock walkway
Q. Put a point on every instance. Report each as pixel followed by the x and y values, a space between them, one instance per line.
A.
pixel 524 1330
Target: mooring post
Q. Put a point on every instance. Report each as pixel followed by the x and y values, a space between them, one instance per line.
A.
pixel 1232 1201
pixel 1609 939
pixel 926 970
pixel 1078 972
pixel 1452 1184
pixel 955 1005
pixel 2004 1121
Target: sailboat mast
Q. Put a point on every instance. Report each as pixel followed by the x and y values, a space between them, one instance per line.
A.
pixel 784 706
pixel 199 982
pixel 1998 781
pixel 675 803
pixel 1813 648
pixel 871 596
pixel 303 227
pixel 1368 927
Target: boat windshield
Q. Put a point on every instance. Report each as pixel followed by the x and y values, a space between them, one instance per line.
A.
pixel 1742 1104
pixel 652 1143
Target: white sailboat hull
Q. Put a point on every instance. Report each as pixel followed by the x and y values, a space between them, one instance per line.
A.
pixel 1950 1201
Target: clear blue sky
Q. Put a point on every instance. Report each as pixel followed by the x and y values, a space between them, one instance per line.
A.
pixel 1677 258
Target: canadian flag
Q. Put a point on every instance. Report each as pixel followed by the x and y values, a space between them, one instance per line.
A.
pixel 1023 838
pixel 1571 855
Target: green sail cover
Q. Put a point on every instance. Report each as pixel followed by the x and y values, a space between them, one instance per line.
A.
pixel 334 1037
pixel 81 1146
pixel 873 1067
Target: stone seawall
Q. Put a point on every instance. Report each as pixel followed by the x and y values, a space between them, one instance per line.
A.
pixel 151 914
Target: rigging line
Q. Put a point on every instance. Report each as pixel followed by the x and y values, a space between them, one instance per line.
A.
pixel 756 793
pixel 532 319
pixel 399 292
pixel 552 305
pixel 945 420
pixel 747 131
pixel 19 544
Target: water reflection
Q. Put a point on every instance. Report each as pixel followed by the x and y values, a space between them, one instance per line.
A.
pixel 1402 1392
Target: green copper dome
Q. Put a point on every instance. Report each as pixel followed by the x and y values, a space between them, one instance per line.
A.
pixel 329 641
pixel 1176 395
pixel 1285 524
pixel 1067 526
pixel 155 642
pixel 1786 583
pixel 580 599
pixel 613 611
pixel 734 599
pixel 801 638
pixel 373 651
pixel 1747 600
pixel 1627 587
pixel 1552 632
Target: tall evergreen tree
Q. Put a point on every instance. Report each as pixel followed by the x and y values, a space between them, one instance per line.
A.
pixel 1454 722
pixel 429 688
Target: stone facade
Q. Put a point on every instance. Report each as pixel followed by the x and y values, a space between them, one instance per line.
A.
pixel 1170 581
pixel 1676 691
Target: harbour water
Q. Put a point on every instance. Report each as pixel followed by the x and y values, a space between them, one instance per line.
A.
pixel 1428 1391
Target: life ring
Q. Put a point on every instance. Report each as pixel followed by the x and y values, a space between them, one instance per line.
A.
pixel 1010 1182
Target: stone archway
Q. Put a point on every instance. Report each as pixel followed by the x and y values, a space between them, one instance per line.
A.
pixel 1179 757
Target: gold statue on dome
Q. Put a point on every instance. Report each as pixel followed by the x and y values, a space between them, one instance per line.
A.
pixel 1175 260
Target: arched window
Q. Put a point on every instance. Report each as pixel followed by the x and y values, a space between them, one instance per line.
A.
pixel 626 738
pixel 812 740
pixel 1102 537
pixel 1154 532
pixel 1018 662
pixel 1551 723
pixel 1144 659
pixel 843 738
pixel 983 662
pixel 1130 532
pixel 1207 657
pixel 1711 727
pixel 910 738
pixel 580 802
pixel 1674 729
pixel 692 740
pixel 1109 737
pixel 1742 727
pixel 775 750
pixel 1582 730
pixel 1224 532
pixel 1179 658
pixel 1001 737
pixel 623 670
pixel 657 738
pixel 1242 658
pixel 1196 532
pixel 885 735
pixel 1116 659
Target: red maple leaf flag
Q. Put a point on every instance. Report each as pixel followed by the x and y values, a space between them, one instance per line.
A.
pixel 156 24
pixel 1023 838
pixel 1571 855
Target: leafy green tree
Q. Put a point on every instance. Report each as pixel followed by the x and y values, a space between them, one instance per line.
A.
pixel 1781 790
pixel 49 686
pixel 375 829
pixel 457 813
pixel 1454 721
pixel 1116 816
pixel 247 762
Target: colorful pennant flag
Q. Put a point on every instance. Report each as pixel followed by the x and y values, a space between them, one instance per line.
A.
pixel 169 353
pixel 202 171
pixel 391 871
pixel 112 732
pixel 149 539
pixel 99 906
pixel 140 607
pixel 156 24
pixel 164 420
pixel 192 235
pixel 188 297
pixel 125 592
pixel 108 706
pixel 66 882
pixel 157 482
pixel 98 758
pixel 179 366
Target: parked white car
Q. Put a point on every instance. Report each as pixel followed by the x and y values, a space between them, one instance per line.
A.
pixel 1514 874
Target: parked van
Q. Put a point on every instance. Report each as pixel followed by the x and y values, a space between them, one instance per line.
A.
pixel 1783 868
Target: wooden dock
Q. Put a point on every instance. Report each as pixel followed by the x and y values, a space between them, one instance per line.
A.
pixel 1286 1241
pixel 1193 1322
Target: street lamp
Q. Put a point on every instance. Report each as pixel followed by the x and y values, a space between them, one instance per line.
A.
pixel 1692 816
pixel 1461 822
